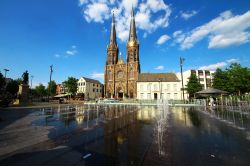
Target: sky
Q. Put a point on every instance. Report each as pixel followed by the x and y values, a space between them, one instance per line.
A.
pixel 72 35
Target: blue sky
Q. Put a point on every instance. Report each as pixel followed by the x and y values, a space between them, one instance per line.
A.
pixel 73 35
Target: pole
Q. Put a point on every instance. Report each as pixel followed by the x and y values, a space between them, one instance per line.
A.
pixel 51 71
pixel 5 72
pixel 31 86
pixel 181 63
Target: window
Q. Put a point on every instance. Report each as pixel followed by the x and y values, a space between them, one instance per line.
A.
pixel 96 90
pixel 168 87
pixel 168 95
pixel 109 75
pixel 142 96
pixel 175 95
pixel 120 74
pixel 148 87
pixel 148 96
pixel 175 87
pixel 131 73
pixel 155 87
pixel 93 89
pixel 141 87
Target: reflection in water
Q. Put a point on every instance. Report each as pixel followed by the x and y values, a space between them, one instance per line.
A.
pixel 128 134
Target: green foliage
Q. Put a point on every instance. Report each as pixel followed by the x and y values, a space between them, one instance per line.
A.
pixel 12 87
pixel 19 81
pixel 51 89
pixel 235 79
pixel 71 84
pixel 40 90
pixel 2 81
pixel 193 85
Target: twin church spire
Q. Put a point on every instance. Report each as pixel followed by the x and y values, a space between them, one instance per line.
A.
pixel 132 31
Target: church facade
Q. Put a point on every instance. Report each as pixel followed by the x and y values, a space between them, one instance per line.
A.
pixel 120 77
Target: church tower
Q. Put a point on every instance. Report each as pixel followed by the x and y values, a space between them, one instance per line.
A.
pixel 112 58
pixel 133 63
pixel 121 77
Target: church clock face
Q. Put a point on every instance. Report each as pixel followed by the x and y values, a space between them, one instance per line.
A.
pixel 119 74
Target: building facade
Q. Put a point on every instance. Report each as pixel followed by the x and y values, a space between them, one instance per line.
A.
pixel 153 86
pixel 121 77
pixel 205 78
pixel 89 88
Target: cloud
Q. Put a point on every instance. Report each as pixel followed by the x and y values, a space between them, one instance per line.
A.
pixel 150 15
pixel 233 60
pixel 162 39
pixel 98 76
pixel 97 12
pixel 159 67
pixel 57 55
pixel 71 51
pixel 213 67
pixel 223 31
pixel 188 14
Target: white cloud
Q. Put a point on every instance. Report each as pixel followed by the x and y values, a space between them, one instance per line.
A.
pixel 57 55
pixel 213 67
pixel 188 14
pixel 159 67
pixel 233 60
pixel 98 76
pixel 72 51
pixel 162 39
pixel 149 14
pixel 97 12
pixel 223 31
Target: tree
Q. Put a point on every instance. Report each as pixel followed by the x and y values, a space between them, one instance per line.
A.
pixel 71 84
pixel 193 85
pixel 239 78
pixel 51 89
pixel 12 87
pixel 40 90
pixel 19 81
pixel 219 80
pixel 2 81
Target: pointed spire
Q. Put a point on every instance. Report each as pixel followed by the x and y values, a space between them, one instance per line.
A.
pixel 120 61
pixel 113 32
pixel 132 31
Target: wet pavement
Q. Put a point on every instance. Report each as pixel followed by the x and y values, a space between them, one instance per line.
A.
pixel 123 135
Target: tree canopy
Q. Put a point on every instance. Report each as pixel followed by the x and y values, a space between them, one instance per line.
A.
pixel 40 90
pixel 2 81
pixel 193 85
pixel 51 89
pixel 235 79
pixel 71 85
pixel 12 87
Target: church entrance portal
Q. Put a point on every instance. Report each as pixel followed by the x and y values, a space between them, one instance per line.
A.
pixel 120 95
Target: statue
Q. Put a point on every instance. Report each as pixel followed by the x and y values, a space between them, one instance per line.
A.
pixel 25 78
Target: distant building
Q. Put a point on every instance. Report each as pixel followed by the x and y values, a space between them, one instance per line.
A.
pixel 152 86
pixel 89 88
pixel 204 76
pixel 60 89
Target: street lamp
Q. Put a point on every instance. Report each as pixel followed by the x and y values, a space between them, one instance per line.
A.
pixel 181 63
pixel 5 72
pixel 31 77
pixel 160 80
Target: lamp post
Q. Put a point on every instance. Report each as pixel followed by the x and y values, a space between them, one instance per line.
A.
pixel 31 77
pixel 160 87
pixel 181 63
pixel 5 72
pixel 51 71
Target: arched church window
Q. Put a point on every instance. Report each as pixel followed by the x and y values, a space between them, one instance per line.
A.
pixel 109 75
pixel 131 73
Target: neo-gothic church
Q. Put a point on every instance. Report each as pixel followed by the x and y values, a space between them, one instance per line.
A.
pixel 121 77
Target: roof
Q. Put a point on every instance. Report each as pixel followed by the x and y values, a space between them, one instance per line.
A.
pixel 212 91
pixel 91 80
pixel 155 77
